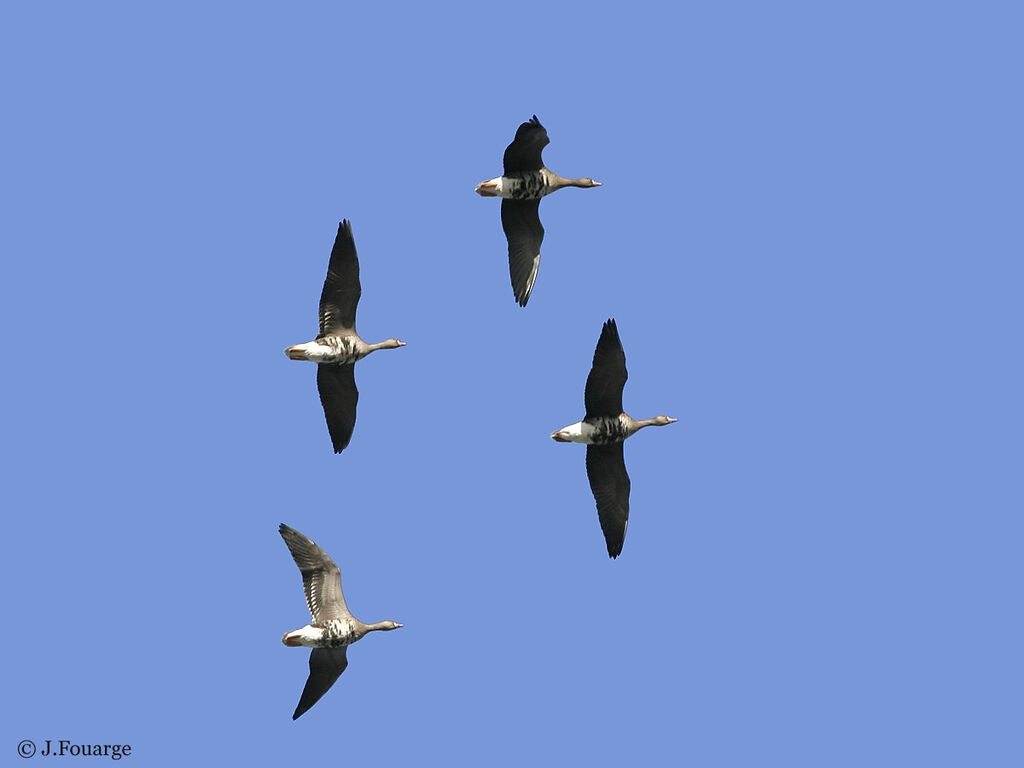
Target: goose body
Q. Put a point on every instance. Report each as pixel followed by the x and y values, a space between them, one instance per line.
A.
pixel 603 430
pixel 529 185
pixel 333 628
pixel 338 346
pixel 523 183
pixel 333 633
pixel 333 350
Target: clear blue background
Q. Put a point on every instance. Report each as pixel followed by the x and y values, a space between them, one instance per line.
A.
pixel 810 236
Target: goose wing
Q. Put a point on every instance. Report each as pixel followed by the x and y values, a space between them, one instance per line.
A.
pixel 603 395
pixel 606 470
pixel 321 579
pixel 341 288
pixel 339 396
pixel 523 154
pixel 521 221
pixel 325 666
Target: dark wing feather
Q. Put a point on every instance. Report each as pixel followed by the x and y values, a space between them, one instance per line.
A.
pixel 606 470
pixel 321 578
pixel 523 154
pixel 339 396
pixel 325 666
pixel 603 395
pixel 341 288
pixel 521 221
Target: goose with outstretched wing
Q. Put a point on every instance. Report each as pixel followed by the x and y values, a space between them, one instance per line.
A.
pixel 524 182
pixel 333 628
pixel 603 430
pixel 337 347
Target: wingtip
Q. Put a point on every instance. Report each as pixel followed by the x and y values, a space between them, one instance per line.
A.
pixel 344 238
pixel 521 295
pixel 610 330
pixel 338 447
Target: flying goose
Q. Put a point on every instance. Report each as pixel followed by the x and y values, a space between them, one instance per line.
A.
pixel 603 431
pixel 338 346
pixel 524 182
pixel 333 628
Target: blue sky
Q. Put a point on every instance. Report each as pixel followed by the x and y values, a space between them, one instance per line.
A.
pixel 809 235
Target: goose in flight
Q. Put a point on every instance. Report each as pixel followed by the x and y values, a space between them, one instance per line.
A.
pixel 337 347
pixel 333 628
pixel 522 185
pixel 603 430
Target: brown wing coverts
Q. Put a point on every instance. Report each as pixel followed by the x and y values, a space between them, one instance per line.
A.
pixel 321 577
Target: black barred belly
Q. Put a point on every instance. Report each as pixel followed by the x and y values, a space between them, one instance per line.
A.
pixel 339 632
pixel 530 187
pixel 344 349
pixel 609 430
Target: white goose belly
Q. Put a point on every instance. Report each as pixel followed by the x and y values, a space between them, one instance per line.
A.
pixel 580 432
